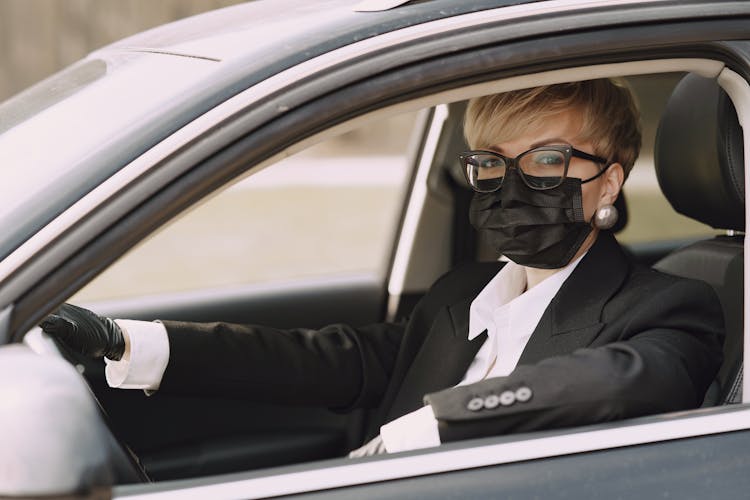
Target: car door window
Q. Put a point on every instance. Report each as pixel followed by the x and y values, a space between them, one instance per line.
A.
pixel 329 210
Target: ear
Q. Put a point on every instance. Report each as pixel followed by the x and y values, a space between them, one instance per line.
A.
pixel 611 185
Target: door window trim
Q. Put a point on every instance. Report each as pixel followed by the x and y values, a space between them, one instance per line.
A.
pixel 509 449
pixel 738 90
pixel 459 456
pixel 406 249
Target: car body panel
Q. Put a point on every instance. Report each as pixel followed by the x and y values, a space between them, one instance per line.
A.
pixel 246 32
pixel 637 472
pixel 239 112
pixel 486 458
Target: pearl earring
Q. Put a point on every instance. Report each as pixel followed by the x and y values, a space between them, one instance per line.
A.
pixel 605 217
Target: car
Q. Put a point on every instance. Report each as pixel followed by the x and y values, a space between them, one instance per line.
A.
pixel 222 124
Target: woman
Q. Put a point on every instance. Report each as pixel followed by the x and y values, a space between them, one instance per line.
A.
pixel 569 332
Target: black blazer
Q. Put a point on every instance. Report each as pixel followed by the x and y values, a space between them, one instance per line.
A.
pixel 618 340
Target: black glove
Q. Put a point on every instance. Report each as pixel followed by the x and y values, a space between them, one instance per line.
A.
pixel 86 332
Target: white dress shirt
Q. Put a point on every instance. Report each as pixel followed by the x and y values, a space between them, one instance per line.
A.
pixel 504 308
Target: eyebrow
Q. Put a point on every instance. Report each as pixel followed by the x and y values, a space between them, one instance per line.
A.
pixel 551 140
pixel 536 144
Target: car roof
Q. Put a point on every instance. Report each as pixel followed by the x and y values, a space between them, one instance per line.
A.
pixel 305 30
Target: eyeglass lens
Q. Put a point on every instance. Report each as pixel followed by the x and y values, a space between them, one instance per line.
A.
pixel 540 169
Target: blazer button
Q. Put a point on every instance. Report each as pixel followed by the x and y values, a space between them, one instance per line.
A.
pixel 507 398
pixel 523 394
pixel 491 401
pixel 475 404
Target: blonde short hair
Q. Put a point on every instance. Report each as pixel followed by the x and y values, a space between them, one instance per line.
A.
pixel 610 118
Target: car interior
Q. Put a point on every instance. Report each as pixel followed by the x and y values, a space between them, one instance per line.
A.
pixel 698 160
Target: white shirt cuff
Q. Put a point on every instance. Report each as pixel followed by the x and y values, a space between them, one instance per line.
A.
pixel 418 429
pixel 149 354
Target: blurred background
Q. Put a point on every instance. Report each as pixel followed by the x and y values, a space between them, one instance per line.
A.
pixel 40 37
pixel 332 209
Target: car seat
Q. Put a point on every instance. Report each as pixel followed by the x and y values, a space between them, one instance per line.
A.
pixel 700 167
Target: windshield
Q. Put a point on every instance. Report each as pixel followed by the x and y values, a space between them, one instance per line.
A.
pixel 68 133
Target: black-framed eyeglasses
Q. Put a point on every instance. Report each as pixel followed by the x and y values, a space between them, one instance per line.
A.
pixel 544 167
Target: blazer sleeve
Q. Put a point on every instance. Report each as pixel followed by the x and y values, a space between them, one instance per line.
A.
pixel 338 366
pixel 667 354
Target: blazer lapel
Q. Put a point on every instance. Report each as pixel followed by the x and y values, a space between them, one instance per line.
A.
pixel 443 359
pixel 572 320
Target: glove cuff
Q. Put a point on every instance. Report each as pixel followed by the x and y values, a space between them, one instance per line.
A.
pixel 116 342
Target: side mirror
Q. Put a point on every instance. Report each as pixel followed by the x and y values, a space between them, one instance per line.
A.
pixel 54 441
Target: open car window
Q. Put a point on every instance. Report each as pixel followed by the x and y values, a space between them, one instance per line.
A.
pixel 300 219
pixel 307 180
pixel 329 211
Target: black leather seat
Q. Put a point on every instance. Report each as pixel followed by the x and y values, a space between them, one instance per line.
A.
pixel 700 168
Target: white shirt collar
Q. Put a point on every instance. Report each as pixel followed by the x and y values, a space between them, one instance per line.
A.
pixel 508 286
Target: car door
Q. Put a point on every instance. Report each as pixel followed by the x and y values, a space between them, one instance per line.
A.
pixel 600 451
pixel 509 55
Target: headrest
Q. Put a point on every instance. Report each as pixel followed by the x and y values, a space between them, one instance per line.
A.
pixel 699 154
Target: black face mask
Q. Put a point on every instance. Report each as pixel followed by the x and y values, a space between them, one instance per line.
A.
pixel 542 229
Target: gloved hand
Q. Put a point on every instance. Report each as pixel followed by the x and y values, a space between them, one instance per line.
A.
pixel 86 332
pixel 373 447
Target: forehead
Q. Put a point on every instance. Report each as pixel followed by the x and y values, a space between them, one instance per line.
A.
pixel 543 128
